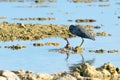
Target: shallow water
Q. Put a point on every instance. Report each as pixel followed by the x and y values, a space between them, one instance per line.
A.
pixel 39 59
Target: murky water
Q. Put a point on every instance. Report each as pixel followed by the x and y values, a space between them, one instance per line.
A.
pixel 39 59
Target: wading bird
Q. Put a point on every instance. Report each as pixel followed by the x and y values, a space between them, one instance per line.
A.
pixel 78 31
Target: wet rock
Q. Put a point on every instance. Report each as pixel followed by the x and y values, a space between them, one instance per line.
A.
pixel 112 51
pixel 105 51
pixel 39 1
pixel 102 34
pixel 89 1
pixel 2 17
pixel 47 44
pixel 15 47
pixel 52 43
pixel 104 5
pixel 111 69
pixel 97 27
pixel 65 77
pixel 105 72
pixel 39 18
pixel 7 75
pixel 85 20
pixel 98 51
pixel 70 20
pixel 21 25
pixel 28 75
pixel 83 71
pixel 38 44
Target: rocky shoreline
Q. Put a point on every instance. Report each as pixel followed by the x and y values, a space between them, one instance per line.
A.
pixel 82 71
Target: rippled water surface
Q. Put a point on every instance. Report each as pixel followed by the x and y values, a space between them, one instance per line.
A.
pixel 39 59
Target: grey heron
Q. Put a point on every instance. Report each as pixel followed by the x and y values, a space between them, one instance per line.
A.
pixel 78 31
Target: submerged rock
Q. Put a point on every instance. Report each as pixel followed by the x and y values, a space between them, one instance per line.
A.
pixel 52 43
pixel 38 44
pixel 69 50
pixel 15 47
pixel 105 51
pixel 85 20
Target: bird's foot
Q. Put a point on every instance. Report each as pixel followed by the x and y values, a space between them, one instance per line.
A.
pixel 78 49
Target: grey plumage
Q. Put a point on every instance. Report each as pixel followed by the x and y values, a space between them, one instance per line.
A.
pixel 80 32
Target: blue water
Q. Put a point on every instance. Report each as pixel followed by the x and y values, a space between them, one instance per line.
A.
pixel 39 59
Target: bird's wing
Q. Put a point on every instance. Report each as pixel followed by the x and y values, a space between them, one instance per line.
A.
pixel 84 33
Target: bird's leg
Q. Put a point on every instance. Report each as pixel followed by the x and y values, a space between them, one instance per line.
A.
pixel 82 42
pixel 83 61
pixel 67 45
pixel 67 53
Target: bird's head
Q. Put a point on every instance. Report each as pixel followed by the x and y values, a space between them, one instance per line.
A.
pixel 71 28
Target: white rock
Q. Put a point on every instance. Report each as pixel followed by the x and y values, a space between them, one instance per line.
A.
pixel 3 78
pixel 66 77
pixel 9 75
